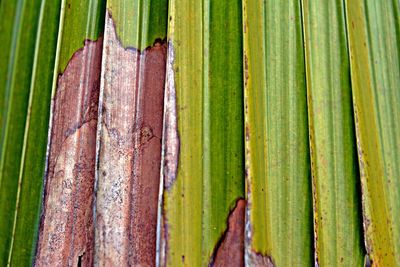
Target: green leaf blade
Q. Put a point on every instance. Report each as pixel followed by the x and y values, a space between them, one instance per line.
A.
pixel 35 137
pixel 277 155
pixel 205 39
pixel 223 135
pixel 15 94
pixel 139 24
pixel 337 218
pixel 373 29
pixel 8 11
pixel 82 20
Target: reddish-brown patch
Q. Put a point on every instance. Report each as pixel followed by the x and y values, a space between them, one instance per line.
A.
pixel 230 251
pixel 66 230
pixel 130 152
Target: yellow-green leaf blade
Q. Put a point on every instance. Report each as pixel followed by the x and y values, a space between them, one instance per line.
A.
pixel 277 153
pixel 205 69
pixel 373 28
pixel 337 218
pixel 138 23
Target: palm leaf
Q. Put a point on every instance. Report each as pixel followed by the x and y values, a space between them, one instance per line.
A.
pixel 66 228
pixel 277 155
pixel 26 221
pixel 19 26
pixel 337 218
pixel 373 28
pixel 203 136
pixel 130 129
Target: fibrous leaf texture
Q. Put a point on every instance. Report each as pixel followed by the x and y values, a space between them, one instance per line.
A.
pixel 279 218
pixel 373 28
pixel 203 134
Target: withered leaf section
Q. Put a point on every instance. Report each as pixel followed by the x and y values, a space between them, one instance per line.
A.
pixel 129 133
pixel 66 229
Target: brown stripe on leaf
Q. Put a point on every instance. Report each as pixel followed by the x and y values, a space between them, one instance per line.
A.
pixel 66 231
pixel 230 249
pixel 130 152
